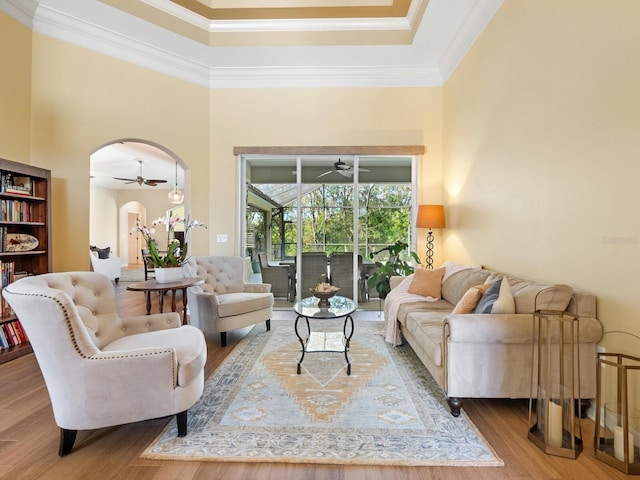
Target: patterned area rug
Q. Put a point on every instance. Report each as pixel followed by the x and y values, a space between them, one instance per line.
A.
pixel 132 275
pixel 255 408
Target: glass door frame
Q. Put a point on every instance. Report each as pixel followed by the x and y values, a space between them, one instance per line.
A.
pixel 242 202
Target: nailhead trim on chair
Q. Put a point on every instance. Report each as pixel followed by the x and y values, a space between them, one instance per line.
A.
pixel 77 347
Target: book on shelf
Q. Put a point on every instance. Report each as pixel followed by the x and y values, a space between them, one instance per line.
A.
pixel 13 333
pixel 16 184
pixel 6 277
pixel 4 342
pixel 15 210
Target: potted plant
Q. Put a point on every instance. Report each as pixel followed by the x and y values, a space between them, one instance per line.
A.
pixel 176 254
pixel 380 279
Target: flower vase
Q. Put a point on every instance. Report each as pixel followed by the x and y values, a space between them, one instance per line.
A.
pixel 169 274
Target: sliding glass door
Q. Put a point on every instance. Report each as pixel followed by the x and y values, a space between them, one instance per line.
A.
pixel 341 207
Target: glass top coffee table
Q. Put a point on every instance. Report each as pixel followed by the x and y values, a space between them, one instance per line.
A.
pixel 325 341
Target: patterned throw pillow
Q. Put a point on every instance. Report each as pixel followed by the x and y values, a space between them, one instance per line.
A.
pixel 470 299
pixel 427 283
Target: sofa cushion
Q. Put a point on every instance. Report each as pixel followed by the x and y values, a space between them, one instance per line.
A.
pixel 190 360
pixel 441 306
pixel 427 283
pixel 489 298
pixel 505 302
pixel 530 295
pixel 456 285
pixel 470 299
pixel 230 304
pixel 426 327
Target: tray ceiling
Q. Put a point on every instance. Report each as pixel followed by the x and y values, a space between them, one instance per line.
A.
pixel 272 43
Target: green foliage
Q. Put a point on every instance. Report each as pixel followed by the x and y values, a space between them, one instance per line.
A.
pixel 395 265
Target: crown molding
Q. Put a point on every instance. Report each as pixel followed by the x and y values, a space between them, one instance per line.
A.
pixel 182 58
pixel 479 17
pixel 326 77
pixel 21 10
pixel 93 37
pixel 288 25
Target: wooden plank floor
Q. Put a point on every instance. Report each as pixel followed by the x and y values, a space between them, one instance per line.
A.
pixel 29 440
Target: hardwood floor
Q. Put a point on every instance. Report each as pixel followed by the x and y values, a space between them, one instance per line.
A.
pixel 29 439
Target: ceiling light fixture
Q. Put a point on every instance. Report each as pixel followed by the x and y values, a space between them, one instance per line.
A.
pixel 176 196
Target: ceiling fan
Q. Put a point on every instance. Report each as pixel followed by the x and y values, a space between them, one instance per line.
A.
pixel 343 169
pixel 140 179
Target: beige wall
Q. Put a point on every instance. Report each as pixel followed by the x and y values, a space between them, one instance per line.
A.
pixel 368 116
pixel 541 143
pixel 15 89
pixel 82 100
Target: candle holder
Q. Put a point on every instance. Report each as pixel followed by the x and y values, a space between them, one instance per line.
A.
pixel 555 384
pixel 616 435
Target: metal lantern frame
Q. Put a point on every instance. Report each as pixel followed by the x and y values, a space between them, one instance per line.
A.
pixel 555 353
pixel 605 444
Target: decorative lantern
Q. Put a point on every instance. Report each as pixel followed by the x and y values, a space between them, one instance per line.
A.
pixel 556 376
pixel 616 435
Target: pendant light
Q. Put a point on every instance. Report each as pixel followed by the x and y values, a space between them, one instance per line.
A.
pixel 176 196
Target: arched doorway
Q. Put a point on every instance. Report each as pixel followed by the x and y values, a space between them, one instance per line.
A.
pixel 131 179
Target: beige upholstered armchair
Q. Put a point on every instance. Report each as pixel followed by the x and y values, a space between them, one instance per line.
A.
pixel 100 369
pixel 224 302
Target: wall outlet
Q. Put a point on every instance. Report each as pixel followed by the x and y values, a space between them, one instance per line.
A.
pixel 222 238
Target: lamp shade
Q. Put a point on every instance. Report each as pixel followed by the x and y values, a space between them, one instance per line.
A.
pixel 430 216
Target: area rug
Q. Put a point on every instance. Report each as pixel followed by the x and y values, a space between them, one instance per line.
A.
pixel 389 411
pixel 132 275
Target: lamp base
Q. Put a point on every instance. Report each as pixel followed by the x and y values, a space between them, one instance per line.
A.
pixel 429 259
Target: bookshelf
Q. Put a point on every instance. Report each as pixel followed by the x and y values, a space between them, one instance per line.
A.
pixel 25 236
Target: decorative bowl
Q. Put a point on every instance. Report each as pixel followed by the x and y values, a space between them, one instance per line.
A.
pixel 324 296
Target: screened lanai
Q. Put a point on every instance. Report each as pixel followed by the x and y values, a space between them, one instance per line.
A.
pixel 327 204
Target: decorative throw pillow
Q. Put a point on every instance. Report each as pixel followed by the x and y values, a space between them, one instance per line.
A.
pixel 488 299
pixel 505 302
pixel 102 252
pixel 427 283
pixel 470 299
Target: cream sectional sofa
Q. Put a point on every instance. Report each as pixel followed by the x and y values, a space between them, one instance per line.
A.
pixel 490 355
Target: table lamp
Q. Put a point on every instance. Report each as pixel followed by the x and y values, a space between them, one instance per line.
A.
pixel 430 216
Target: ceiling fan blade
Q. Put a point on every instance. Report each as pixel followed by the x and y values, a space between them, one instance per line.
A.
pixel 154 182
pixel 363 170
pixel 325 173
pixel 125 179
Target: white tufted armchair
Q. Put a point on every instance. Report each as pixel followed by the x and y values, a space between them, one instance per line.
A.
pixel 102 370
pixel 224 302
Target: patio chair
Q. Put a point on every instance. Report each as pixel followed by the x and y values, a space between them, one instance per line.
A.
pixel 341 274
pixel 314 265
pixel 278 276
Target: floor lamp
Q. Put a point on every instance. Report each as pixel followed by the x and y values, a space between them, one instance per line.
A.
pixel 430 216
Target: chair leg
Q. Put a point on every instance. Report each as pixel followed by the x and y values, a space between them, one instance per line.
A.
pixel 268 325
pixel 67 439
pixel 223 339
pixel 181 419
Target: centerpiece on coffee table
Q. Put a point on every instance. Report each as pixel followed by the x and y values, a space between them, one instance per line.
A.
pixel 324 291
